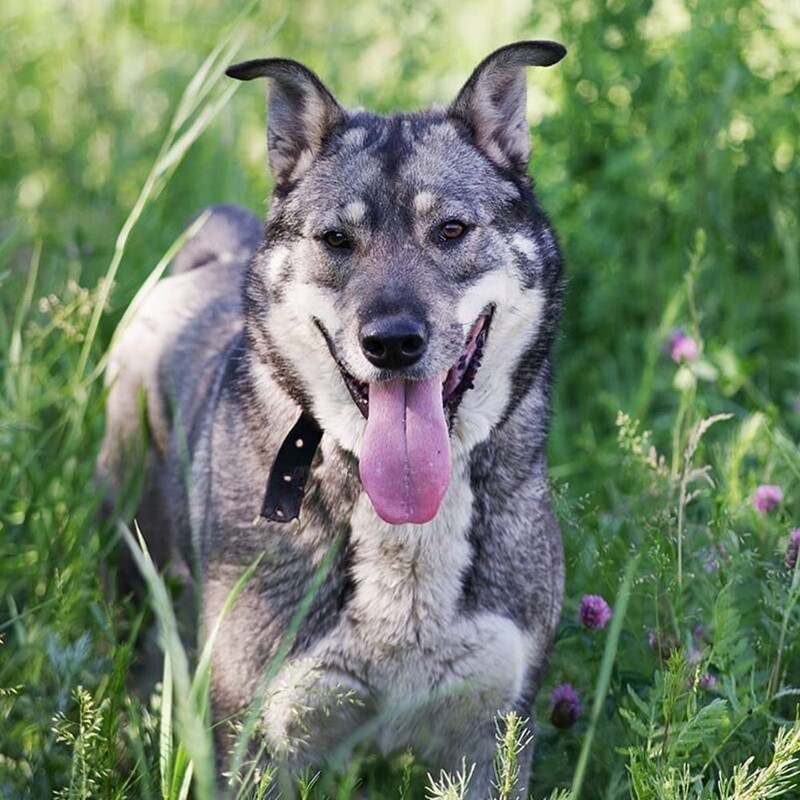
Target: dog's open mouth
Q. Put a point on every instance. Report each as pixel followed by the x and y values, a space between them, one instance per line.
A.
pixel 404 461
pixel 457 382
pixel 460 378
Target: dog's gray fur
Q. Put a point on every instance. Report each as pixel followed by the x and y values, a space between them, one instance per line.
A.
pixel 419 633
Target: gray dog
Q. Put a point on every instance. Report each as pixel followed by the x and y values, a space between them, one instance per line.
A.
pixel 359 395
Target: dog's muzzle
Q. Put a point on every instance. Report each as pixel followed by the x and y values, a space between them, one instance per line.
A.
pixel 404 462
pixel 458 381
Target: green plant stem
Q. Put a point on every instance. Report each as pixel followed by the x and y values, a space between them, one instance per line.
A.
pixel 794 596
pixel 604 677
pixel 18 389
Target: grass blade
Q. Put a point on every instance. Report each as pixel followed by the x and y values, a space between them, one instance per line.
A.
pixel 165 750
pixel 604 677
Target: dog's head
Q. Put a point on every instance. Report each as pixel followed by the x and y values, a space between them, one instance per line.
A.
pixel 408 285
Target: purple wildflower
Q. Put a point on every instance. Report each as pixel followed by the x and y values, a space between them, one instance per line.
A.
pixel 699 631
pixel 707 681
pixel 594 612
pixel 767 497
pixel 682 347
pixel 793 548
pixel 565 706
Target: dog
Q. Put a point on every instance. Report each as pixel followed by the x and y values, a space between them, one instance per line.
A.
pixel 356 399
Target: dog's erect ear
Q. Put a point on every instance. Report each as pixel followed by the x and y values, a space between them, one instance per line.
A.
pixel 301 111
pixel 492 103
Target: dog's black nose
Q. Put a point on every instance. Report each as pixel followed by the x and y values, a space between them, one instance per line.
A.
pixel 394 342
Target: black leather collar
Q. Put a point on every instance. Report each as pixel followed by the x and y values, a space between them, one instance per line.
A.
pixel 288 476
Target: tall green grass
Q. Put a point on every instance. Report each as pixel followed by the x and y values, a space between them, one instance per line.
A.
pixel 665 149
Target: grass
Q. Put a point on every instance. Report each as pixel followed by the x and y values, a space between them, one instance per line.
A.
pixel 665 150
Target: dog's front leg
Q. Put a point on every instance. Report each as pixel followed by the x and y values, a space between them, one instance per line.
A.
pixel 311 710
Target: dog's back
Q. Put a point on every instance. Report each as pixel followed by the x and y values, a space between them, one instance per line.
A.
pixel 162 363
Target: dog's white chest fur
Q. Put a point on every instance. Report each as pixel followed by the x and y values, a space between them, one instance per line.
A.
pixel 403 644
pixel 408 577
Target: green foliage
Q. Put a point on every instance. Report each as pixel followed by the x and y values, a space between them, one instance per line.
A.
pixel 778 778
pixel 665 149
pixel 450 787
pixel 82 737
pixel 512 738
pixel 674 117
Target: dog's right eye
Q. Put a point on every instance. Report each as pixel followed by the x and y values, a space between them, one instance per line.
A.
pixel 452 229
pixel 335 239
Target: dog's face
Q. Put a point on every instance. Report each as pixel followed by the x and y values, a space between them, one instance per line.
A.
pixel 408 282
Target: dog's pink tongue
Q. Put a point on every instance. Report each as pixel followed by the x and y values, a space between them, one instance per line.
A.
pixel 405 455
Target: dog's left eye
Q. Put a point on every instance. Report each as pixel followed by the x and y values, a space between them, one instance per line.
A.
pixel 452 229
pixel 335 238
